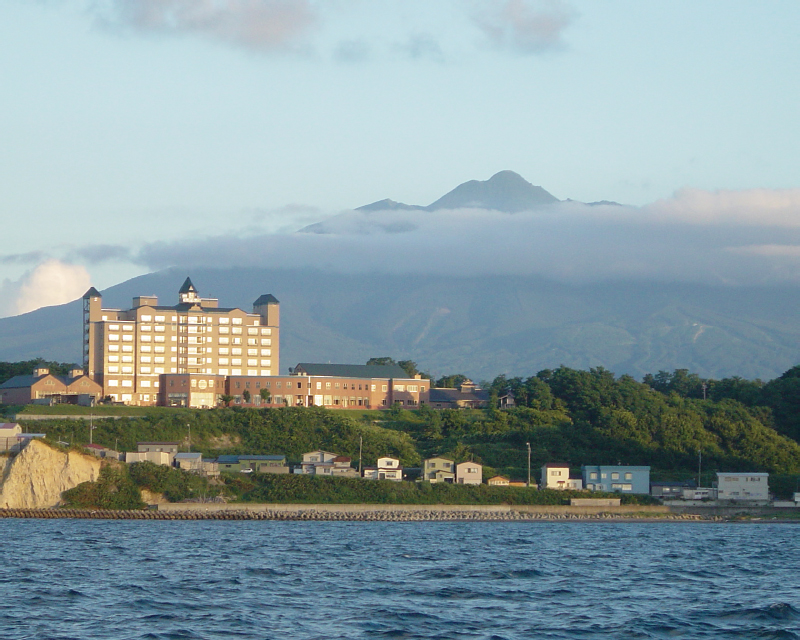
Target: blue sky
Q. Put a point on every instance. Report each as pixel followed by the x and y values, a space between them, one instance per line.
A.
pixel 125 122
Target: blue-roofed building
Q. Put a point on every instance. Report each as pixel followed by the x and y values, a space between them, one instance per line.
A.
pixel 620 478
pixel 247 463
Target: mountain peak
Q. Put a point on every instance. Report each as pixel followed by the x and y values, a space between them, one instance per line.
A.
pixel 505 191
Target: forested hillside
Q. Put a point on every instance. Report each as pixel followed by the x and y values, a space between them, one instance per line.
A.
pixel 580 417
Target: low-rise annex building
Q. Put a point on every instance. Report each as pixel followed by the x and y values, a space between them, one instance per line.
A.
pixel 43 387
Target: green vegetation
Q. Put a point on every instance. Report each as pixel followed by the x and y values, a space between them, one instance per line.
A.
pixel 114 489
pixel 311 489
pixel 567 415
pixel 25 368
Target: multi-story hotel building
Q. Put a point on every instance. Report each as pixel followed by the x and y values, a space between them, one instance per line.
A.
pixel 129 351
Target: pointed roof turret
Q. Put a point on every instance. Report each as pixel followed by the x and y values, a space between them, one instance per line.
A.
pixel 92 293
pixel 267 298
pixel 187 287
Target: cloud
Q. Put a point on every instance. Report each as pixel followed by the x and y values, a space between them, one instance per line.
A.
pixel 421 46
pixel 97 253
pixel 31 257
pixel 352 51
pixel 266 25
pixel 525 26
pixel 50 283
pixel 567 241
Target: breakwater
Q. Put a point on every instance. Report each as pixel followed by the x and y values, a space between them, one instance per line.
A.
pixel 383 513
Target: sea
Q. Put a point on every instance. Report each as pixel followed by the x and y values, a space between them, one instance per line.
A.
pixel 84 579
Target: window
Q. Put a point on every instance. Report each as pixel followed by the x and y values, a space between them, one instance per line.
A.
pixel 266 332
pixel 144 383
pixel 159 329
pixel 144 370
pixel 113 327
pixel 236 320
pixel 224 320
pixel 252 363
pixel 160 318
pixel 146 349
pixel 252 352
pixel 252 342
pixel 252 331
pixel 113 337
pixel 224 330
pixel 399 387
pixel 127 338
pixel 127 327
pixel 236 341
pixel 412 387
pixel 373 387
pixel 145 359
pixel 223 361
pixel 127 348
pixel 159 339
pixel 113 358
pixel 127 383
pixel 236 330
pixel 236 352
pixel 266 352
pixel 615 476
pixel 628 475
pixel 384 387
pixel 145 327
pixel 113 383
pixel 593 475
pixel 111 369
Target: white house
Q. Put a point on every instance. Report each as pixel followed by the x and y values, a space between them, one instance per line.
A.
pixel 387 469
pixel 743 486
pixel 317 463
pixel 469 473
pixel 555 475
pixel 8 435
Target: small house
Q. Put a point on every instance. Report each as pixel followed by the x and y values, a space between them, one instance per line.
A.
pixel 498 481
pixel 555 475
pixel 469 473
pixel 438 470
pixel 386 469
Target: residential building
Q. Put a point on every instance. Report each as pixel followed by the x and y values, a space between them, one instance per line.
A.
pixel 555 475
pixel 8 435
pixel 469 473
pixel 386 469
pixel 189 461
pixel 466 396
pixel 316 463
pixel 750 487
pixel 622 478
pixel 169 448
pixel 366 386
pixel 42 387
pixel 99 451
pixel 341 468
pixel 438 470
pixel 498 481
pixel 126 351
pixel 670 490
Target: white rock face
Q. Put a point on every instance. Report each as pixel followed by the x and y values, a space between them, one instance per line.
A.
pixel 37 476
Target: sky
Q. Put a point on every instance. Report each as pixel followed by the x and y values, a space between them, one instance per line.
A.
pixel 140 134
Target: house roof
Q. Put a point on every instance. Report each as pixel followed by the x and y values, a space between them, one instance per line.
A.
pixel 174 444
pixel 499 478
pixel 18 382
pixel 228 459
pixel 388 371
pixel 92 293
pixel 263 458
pixel 342 459
pixel 556 465
pixel 188 456
pixel 455 395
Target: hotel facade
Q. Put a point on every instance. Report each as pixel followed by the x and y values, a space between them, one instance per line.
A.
pixel 195 353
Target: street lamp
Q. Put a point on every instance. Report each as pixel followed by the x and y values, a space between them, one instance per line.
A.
pixel 529 463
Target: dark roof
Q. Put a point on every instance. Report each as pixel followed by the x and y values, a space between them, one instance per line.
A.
pixel 267 298
pixel 228 459
pixel 454 395
pixel 18 382
pixel 187 287
pixel 556 465
pixel 92 293
pixel 189 456
pixel 262 458
pixel 353 370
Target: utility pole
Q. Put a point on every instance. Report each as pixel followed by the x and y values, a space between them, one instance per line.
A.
pixel 529 463
pixel 360 444
pixel 91 427
pixel 699 467
pixel 189 425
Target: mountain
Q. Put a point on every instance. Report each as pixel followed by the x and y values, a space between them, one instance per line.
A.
pixel 478 325
pixel 505 191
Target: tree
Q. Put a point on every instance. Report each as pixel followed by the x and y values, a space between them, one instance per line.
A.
pixel 265 395
pixel 382 361
pixel 226 399
pixel 450 382
pixel 246 396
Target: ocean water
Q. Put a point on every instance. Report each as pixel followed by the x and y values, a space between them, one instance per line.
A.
pixel 64 579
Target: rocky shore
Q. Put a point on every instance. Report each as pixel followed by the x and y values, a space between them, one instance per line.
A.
pixel 382 515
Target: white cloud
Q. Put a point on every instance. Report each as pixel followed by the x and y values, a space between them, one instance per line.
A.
pixel 51 283
pixel 525 26
pixel 759 207
pixel 257 24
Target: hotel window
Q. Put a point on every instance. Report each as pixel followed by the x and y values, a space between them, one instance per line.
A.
pixel 113 358
pixel 236 330
pixel 111 369
pixel 146 338
pixel 159 349
pixel 236 351
pixel 192 319
pixel 145 383
pixel 266 332
pixel 236 341
pixel 113 347
pixel 399 387
pixel 159 359
pixel 252 363
pixel 252 352
pixel 266 352
pixel 412 387
pixel 145 359
pixel 236 320
pixel 224 351
pixel 113 383
pixel 160 318
pixel 127 369
pixel 224 341
pixel 113 327
pixel 144 370
pixel 145 327
pixel 236 372
pixel 266 342
pixel 159 328
pixel 146 349
pixel 223 361
pixel 126 348
pixel 224 320
pixel 252 331
pixel 252 342
pixel 127 327
pixel 113 337
pixel 374 387
pixel 160 339
pixel 236 362
pixel 224 330
pixel 384 387
pixel 127 383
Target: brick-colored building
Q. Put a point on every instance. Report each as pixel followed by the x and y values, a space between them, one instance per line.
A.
pixel 43 387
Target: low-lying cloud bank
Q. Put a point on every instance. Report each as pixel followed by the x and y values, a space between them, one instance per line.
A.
pixel 745 237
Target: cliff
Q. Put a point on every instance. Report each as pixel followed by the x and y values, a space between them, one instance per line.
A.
pixel 38 475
